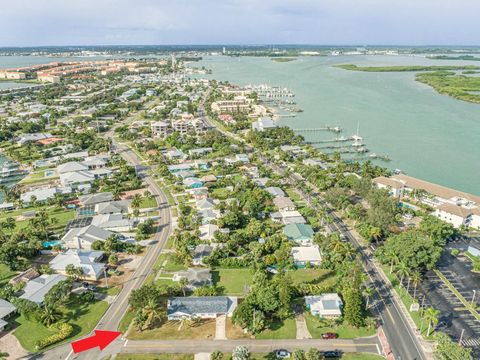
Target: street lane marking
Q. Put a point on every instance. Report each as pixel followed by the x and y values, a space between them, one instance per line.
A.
pixel 69 354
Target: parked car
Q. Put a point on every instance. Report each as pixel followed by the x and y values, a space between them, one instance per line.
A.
pixel 329 335
pixel 331 354
pixel 282 354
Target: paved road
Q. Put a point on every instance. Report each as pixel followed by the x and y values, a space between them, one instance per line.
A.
pixel 118 308
pixel 369 344
pixel 403 341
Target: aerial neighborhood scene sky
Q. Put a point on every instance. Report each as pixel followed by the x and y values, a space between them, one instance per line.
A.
pixel 337 22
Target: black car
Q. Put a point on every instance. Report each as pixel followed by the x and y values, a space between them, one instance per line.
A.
pixel 331 354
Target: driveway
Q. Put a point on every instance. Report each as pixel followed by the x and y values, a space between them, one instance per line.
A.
pixel 220 328
pixel 10 344
pixel 302 329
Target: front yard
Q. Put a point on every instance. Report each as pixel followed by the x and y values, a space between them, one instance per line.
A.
pixel 171 330
pixel 317 327
pixel 279 330
pixel 83 317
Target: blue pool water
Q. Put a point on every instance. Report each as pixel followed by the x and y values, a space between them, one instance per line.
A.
pixel 47 244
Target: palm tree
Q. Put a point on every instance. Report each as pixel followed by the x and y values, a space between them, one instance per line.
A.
pixel 416 280
pixel 402 271
pixel 9 223
pixel 183 284
pixel 151 311
pixel 367 292
pixel 431 317
pixel 50 315
pixel 185 322
pixel 375 233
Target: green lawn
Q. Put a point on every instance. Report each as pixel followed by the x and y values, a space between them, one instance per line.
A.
pixel 232 281
pixel 5 274
pixel 148 203
pixel 83 318
pixel 317 327
pixel 171 265
pixel 280 330
pixel 63 216
pixel 310 275
pixel 125 322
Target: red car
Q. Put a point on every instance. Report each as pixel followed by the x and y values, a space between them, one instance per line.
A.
pixel 329 336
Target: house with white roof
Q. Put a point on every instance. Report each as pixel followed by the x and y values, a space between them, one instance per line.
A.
pixel 36 289
pixel 327 306
pixel 87 260
pixel 207 232
pixel 113 222
pixel 84 237
pixel 303 255
pixel 263 124
pixel 275 191
pixel 44 194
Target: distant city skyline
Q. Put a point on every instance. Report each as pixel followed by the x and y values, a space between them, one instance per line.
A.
pixel 229 22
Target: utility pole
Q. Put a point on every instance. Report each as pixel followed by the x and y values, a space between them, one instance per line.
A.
pixel 461 337
pixel 106 279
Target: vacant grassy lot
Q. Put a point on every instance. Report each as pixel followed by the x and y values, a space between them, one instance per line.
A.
pixel 300 276
pixel 279 330
pixel 171 330
pixel 232 281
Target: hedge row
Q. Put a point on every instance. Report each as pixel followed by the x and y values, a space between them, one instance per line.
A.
pixel 64 331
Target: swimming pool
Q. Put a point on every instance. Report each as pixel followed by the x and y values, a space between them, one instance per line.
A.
pixel 47 244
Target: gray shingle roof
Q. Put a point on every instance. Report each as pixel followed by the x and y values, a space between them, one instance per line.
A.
pixel 198 305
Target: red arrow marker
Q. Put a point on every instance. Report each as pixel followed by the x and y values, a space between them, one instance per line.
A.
pixel 101 338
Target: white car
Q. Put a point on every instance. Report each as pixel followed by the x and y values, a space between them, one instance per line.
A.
pixel 282 354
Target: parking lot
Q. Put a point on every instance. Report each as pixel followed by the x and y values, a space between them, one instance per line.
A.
pixel 454 317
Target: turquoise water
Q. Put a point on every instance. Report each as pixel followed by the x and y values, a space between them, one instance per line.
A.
pixel 427 135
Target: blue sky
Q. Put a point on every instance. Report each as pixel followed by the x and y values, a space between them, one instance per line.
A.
pixel 152 22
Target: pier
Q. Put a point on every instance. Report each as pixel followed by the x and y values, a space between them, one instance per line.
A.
pixel 336 129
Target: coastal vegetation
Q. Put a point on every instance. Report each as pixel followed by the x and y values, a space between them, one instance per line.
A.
pixel 451 57
pixel 413 68
pixel 283 59
pixel 443 79
pixel 461 87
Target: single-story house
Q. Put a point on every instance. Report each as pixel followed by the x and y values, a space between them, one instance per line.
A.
pixel 207 231
pixel 45 194
pixel 84 237
pixel 203 307
pixel 36 289
pixel 112 207
pixel 284 203
pixel 72 166
pixel 205 204
pixel 288 217
pixel 97 198
pixel 200 252
pixel 199 193
pixel 275 191
pixel 87 260
pixel 326 305
pixel 196 277
pixel 300 233
pixel 303 255
pixel 113 222
pixel 192 182
pixel 6 309
pixel 208 215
